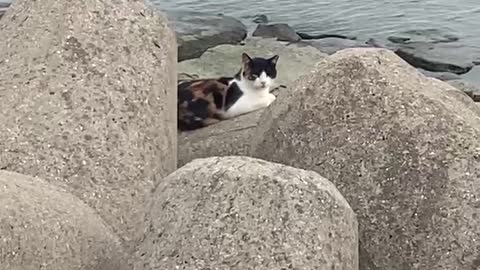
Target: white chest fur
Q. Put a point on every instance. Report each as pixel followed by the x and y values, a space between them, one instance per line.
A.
pixel 252 99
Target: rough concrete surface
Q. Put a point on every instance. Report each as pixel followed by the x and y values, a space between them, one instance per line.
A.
pixel 403 149
pixel 45 227
pixel 88 101
pixel 243 213
pixel 229 137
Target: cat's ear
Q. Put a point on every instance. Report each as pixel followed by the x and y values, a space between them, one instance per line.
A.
pixel 245 58
pixel 274 59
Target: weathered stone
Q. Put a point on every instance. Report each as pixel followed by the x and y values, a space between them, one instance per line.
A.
pixel 442 57
pixel 244 213
pixel 403 149
pixel 423 35
pixel 333 45
pixel 88 101
pixel 229 137
pixel 281 31
pixel 199 31
pixel 320 36
pixel 260 18
pixel 45 227
pixel 226 60
pixel 232 137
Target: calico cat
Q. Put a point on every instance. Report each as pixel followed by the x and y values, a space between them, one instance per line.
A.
pixel 204 102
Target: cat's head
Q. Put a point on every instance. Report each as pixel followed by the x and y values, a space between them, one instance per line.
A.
pixel 259 72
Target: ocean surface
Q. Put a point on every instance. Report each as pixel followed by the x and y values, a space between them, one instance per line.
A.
pixel 361 18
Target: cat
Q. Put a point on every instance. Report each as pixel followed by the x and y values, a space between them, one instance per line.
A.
pixel 204 102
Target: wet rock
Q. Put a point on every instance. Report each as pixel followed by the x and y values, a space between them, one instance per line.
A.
pixel 333 45
pixel 320 36
pixel 436 57
pixel 443 76
pixel 253 214
pixel 281 31
pixel 379 43
pixel 45 227
pixel 232 137
pixel 370 123
pixel 398 40
pixel 470 89
pixel 198 31
pixel 260 19
pixel 423 35
pixel 90 108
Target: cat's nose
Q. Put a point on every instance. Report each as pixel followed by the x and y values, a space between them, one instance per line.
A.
pixel 263 84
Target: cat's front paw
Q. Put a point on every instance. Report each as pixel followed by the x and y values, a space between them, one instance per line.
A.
pixel 271 98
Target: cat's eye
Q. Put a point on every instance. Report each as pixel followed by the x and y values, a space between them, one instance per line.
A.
pixel 252 77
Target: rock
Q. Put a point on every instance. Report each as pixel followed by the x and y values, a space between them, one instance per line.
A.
pixel 252 214
pixel 3 8
pixel 261 18
pixel 333 45
pixel 320 36
pixel 423 35
pixel 380 43
pixel 44 227
pixel 375 43
pixel 199 31
pixel 436 57
pixel 281 31
pixel 470 89
pixel 403 149
pixel 88 101
pixel 231 137
pixel 443 76
pixel 398 40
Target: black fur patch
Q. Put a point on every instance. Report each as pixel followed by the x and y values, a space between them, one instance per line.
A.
pixel 183 94
pixel 253 67
pixel 218 99
pixel 199 108
pixel 258 65
pixel 233 94
pixel 199 101
pixel 225 80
